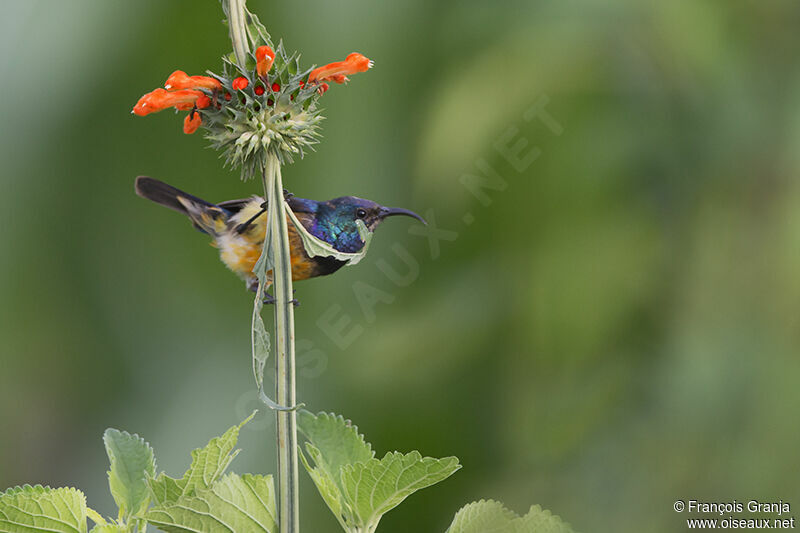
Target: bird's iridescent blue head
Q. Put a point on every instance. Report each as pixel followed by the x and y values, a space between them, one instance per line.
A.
pixel 336 220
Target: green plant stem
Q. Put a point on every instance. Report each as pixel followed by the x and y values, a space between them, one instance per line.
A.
pixel 237 26
pixel 288 511
pixel 288 497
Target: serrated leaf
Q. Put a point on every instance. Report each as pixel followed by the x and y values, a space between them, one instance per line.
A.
pixel 31 509
pixel 378 486
pixel 27 489
pixel 132 460
pixel 357 487
pixel 208 465
pixel 483 516
pixel 234 504
pixel 540 520
pixel 337 440
pixel 333 443
pixel 489 516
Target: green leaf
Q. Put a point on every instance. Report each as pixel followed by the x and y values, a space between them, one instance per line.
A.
pixel 259 339
pixel 131 459
pixel 483 516
pixel 256 31
pixel 357 487
pixel 489 516
pixel 109 528
pixel 326 485
pixel 233 504
pixel 30 509
pixel 317 247
pixel 378 486
pixel 208 465
pixel 337 439
pixel 95 517
pixel 333 443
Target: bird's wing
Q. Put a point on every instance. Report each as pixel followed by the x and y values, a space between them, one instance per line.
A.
pixel 234 206
pixel 302 205
pixel 298 205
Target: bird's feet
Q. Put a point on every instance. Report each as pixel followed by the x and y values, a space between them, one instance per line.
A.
pixel 269 299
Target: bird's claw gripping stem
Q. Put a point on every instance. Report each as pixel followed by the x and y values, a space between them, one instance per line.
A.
pixel 270 300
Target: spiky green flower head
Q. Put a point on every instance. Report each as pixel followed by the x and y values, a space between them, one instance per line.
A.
pixel 262 111
pixel 263 104
pixel 263 114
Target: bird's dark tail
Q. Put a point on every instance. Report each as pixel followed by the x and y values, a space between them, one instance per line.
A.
pixel 166 195
pixel 206 216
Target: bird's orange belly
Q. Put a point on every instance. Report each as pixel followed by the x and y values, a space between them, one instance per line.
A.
pixel 241 256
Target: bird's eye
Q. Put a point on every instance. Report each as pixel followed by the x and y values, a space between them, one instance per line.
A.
pixel 360 213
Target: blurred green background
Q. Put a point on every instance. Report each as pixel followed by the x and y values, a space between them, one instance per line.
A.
pixel 618 328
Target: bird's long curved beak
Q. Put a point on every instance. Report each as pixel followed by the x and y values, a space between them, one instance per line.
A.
pixel 394 211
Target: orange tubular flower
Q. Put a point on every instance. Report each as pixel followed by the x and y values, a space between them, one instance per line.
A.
pixel 338 71
pixel 203 102
pixel 265 56
pixel 180 80
pixel 160 99
pixel 240 83
pixel 323 87
pixel 191 123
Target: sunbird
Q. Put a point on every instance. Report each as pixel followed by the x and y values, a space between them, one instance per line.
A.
pixel 237 227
